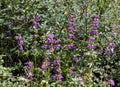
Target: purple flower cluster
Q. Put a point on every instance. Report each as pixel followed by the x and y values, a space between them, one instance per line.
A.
pixel 45 64
pixel 57 76
pixel 28 68
pixel 110 48
pixel 95 25
pixel 57 72
pixel 92 33
pixel 20 42
pixel 80 79
pixel 71 24
pixel 52 43
pixel 111 82
pixel 72 72
pixel 71 28
pixel 36 21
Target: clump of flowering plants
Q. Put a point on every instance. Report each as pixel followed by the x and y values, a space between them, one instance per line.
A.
pixel 56 43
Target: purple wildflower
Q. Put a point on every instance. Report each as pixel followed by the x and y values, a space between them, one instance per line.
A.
pixel 59 70
pixel 21 48
pixel 95 16
pixel 56 62
pixel 111 82
pixel 57 76
pixel 57 41
pixel 71 36
pixel 72 73
pixel 19 38
pixel 91 40
pixel 51 36
pixel 95 26
pixel 43 66
pixel 111 44
pixel 109 51
pixel 37 17
pixel 35 24
pixel 71 46
pixel 28 64
pixel 96 20
pixel 45 47
pixel 94 32
pixel 57 46
pixel 80 79
pixel 71 24
pixel 72 17
pixel 85 55
pixel 70 28
pixel 75 60
pixel 51 40
pixel 60 76
pixel 21 42
pixel 54 76
pixel 30 78
pixel 90 46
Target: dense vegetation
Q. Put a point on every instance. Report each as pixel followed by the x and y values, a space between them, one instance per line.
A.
pixel 59 43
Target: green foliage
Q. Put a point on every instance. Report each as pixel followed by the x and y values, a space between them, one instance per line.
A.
pixel 17 19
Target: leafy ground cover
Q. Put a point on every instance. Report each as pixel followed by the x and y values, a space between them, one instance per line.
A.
pixel 59 43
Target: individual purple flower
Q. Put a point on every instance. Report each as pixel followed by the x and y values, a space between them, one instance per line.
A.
pixel 57 41
pixel 114 34
pixel 59 70
pixel 111 82
pixel 109 51
pixel 54 76
pixel 30 78
pixel 73 15
pixel 60 76
pixel 94 32
pixel 57 46
pixel 51 49
pixel 71 46
pixel 90 46
pixel 80 79
pixel 28 64
pixel 37 17
pixel 70 28
pixel 71 36
pixel 19 38
pixel 51 36
pixel 8 32
pixel 35 24
pixel 56 62
pixel 96 20
pixel 45 47
pixel 71 18
pixel 43 66
pixel 71 24
pixel 72 73
pixel 91 40
pixel 111 44
pixel 113 26
pixel 95 26
pixel 51 40
pixel 21 42
pixel 75 60
pixel 95 16
pixel 21 48
pixel 72 67
pixel 85 55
